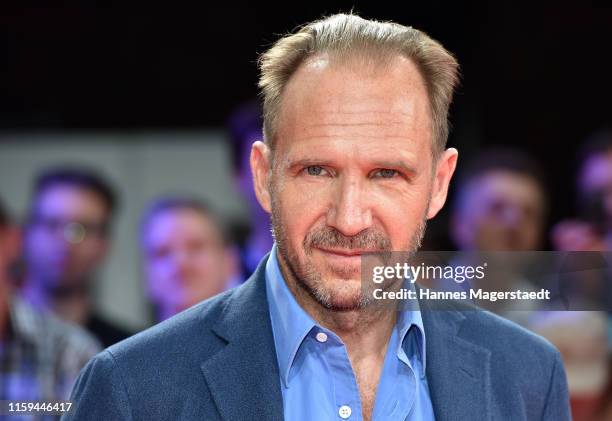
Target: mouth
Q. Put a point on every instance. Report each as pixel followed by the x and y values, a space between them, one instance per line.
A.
pixel 343 257
pixel 342 252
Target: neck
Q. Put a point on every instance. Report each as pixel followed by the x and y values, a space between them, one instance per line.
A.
pixel 71 304
pixel 364 331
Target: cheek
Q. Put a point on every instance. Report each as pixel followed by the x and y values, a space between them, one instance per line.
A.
pixel 158 284
pixel 203 264
pixel 89 256
pixel 295 224
pixel 532 230
pixel 39 243
pixel 301 206
pixel 160 273
pixel 400 214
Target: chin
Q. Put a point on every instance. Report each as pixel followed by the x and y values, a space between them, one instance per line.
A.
pixel 344 294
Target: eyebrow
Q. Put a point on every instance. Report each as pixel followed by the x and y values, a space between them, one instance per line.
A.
pixel 396 165
pixel 400 165
pixel 306 162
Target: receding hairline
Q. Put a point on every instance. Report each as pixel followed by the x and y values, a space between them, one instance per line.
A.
pixel 174 206
pixel 322 62
pixel 351 36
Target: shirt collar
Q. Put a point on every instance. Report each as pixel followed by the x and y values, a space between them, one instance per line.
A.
pixel 407 318
pixel 291 324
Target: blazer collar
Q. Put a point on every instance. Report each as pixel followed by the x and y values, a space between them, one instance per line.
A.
pixel 243 377
pixel 458 369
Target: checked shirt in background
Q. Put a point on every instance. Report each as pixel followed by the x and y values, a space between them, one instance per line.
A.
pixel 41 357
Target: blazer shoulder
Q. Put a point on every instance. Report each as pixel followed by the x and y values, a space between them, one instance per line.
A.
pixel 524 359
pixel 186 332
pixel 496 331
pixel 515 351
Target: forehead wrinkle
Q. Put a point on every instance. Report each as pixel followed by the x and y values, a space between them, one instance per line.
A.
pixel 325 151
pixel 325 101
pixel 360 104
pixel 390 131
pixel 322 117
pixel 317 75
pixel 401 113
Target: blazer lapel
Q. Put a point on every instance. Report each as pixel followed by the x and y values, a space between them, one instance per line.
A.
pixel 243 377
pixel 458 370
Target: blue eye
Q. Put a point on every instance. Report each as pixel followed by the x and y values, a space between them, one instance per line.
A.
pixel 385 173
pixel 314 170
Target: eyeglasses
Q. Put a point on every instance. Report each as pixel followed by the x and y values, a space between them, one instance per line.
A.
pixel 74 232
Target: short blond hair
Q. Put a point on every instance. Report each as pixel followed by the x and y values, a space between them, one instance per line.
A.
pixel 346 35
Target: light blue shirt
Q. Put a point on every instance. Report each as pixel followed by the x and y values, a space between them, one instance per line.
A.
pixel 317 380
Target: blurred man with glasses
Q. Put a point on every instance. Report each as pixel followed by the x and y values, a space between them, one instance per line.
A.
pixel 40 356
pixel 66 241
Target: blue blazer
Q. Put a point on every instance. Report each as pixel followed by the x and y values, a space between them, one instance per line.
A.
pixel 217 361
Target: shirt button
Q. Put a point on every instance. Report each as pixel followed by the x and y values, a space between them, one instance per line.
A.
pixel 322 337
pixel 344 411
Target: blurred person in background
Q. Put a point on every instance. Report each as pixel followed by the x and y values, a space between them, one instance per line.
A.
pixel 500 205
pixel 245 127
pixel 40 356
pixel 186 254
pixel 592 230
pixel 66 241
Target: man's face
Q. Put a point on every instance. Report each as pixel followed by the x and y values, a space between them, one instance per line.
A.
pixel 501 211
pixel 66 240
pixel 352 173
pixel 186 260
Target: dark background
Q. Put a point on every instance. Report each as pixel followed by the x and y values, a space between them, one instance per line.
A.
pixel 536 76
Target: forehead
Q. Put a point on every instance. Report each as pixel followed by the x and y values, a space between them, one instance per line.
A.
pixel 70 200
pixel 179 223
pixel 507 185
pixel 354 99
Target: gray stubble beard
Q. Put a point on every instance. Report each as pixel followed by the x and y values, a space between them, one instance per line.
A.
pixel 308 279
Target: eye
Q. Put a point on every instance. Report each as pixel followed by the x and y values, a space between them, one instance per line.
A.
pixel 385 173
pixel 315 170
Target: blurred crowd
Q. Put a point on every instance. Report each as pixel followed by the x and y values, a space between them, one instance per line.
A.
pixel 50 258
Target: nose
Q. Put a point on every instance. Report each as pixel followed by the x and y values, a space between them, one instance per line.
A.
pixel 350 212
pixel 512 215
pixel 179 264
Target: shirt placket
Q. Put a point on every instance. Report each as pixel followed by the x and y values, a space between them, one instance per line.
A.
pixel 345 389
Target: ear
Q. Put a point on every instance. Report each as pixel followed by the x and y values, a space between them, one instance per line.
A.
pixel 445 167
pixel 260 167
